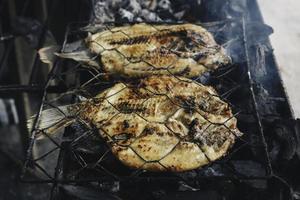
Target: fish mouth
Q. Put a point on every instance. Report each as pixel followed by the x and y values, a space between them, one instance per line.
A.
pixel 224 60
pixel 212 61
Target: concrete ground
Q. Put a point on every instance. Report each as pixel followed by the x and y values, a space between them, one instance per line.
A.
pixel 284 17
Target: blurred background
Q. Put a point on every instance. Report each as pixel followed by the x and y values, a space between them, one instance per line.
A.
pixel 284 17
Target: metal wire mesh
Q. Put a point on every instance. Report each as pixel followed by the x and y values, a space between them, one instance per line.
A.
pixel 80 154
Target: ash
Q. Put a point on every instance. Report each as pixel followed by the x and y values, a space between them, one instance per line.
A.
pixel 142 10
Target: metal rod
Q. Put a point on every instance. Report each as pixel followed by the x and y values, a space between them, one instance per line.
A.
pixel 6 37
pixel 30 89
pixel 35 124
pixel 126 179
pixel 257 115
pixel 41 41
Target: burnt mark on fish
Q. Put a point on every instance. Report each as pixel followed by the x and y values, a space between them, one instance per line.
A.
pixel 197 38
pixel 128 108
pixel 203 105
pixel 131 40
pixel 198 56
pixel 125 124
pixel 149 131
pixel 194 127
pixel 214 136
pixel 187 102
pixel 122 136
pixel 185 71
pixel 162 37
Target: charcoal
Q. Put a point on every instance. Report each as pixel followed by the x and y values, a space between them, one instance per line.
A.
pixel 284 143
pixel 11 188
pixel 274 150
pixel 158 194
pixel 258 33
pixel 265 102
pixel 286 140
pixel 226 187
pixel 257 183
pixel 228 10
pixel 260 65
pixel 188 175
pixel 165 5
pixel 138 10
pixel 126 14
pixel 249 168
pixel 238 6
pixel 185 187
pixel 214 170
pixel 296 193
pixel 247 118
pixel 149 16
pixel 205 194
pixel 85 193
pixel 298 137
pixel 235 51
pixel 109 186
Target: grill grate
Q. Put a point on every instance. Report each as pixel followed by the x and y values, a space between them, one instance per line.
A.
pixel 80 161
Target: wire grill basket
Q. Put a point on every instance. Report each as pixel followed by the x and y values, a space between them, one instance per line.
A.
pixel 79 154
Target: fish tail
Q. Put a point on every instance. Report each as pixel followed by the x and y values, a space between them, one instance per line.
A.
pixel 75 51
pixel 51 121
pixel 83 56
pixel 47 54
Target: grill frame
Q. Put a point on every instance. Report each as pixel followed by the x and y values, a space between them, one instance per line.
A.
pixel 56 180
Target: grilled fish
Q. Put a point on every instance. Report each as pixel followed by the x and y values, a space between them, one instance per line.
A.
pixel 163 123
pixel 143 49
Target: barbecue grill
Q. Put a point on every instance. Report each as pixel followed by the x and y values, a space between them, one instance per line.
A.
pixel 78 164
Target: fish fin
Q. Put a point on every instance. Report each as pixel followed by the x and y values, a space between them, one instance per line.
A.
pixel 95 28
pixel 51 121
pixel 83 56
pixel 76 51
pixel 47 54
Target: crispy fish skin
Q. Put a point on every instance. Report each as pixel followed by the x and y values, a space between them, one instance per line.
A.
pixel 164 123
pixel 143 49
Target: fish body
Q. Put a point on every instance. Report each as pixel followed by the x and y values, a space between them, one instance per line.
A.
pixel 142 50
pixel 163 123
